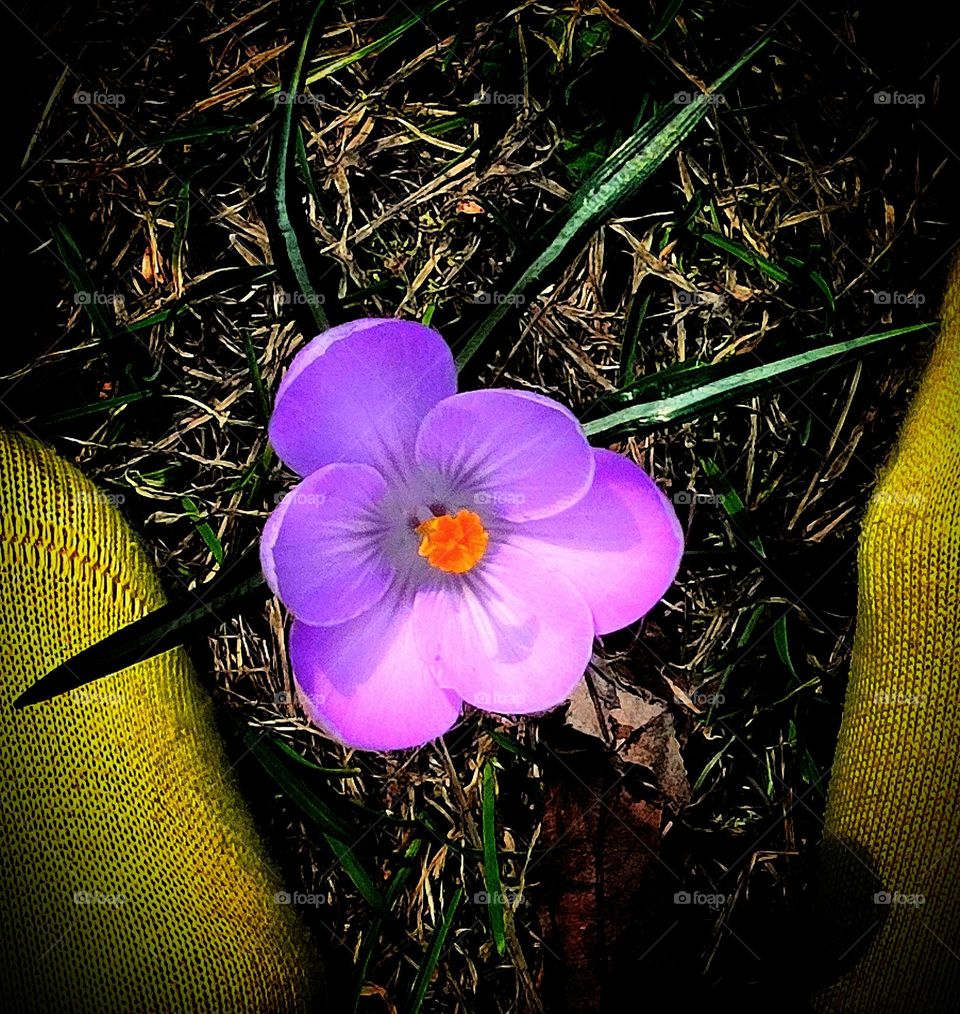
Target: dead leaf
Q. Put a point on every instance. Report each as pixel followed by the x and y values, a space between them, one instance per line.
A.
pixel 468 207
pixel 636 726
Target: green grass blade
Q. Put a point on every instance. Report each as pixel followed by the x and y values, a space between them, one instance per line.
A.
pixel 153 634
pixel 181 223
pixel 397 882
pixel 720 392
pixel 319 813
pixel 208 535
pixel 81 281
pixel 781 642
pixel 263 402
pixel 742 253
pixel 281 172
pixel 433 955
pixel 616 180
pixel 732 504
pixel 491 861
pixel 666 19
pixel 377 46
pixel 628 351
pixel 94 408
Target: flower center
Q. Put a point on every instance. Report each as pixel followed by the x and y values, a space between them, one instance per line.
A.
pixel 453 543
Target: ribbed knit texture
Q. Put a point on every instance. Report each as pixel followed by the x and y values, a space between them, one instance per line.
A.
pixel 893 819
pixel 131 877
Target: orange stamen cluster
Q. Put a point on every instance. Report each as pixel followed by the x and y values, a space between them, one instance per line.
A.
pixel 453 543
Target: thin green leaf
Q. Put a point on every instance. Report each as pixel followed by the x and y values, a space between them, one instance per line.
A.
pixel 372 938
pixel 153 634
pixel 491 861
pixel 180 225
pixel 781 641
pixel 631 335
pixel 746 255
pixel 616 180
pixel 433 955
pixel 208 535
pixel 732 504
pixel 711 396
pixel 281 171
pixel 83 284
pixel 94 408
pixel 194 134
pixel 304 164
pixel 332 829
pixel 377 46
pixel 263 402
pixel 666 19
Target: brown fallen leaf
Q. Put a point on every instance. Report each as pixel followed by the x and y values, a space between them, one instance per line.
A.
pixel 604 900
pixel 467 207
pixel 600 875
pixel 636 726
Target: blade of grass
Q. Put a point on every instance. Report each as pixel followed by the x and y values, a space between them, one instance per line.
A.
pixel 710 396
pixel 746 255
pixel 666 19
pixel 84 287
pixel 181 223
pixel 429 965
pixel 94 407
pixel 263 402
pixel 281 172
pixel 377 46
pixel 616 180
pixel 491 861
pixel 394 888
pixel 628 351
pixel 154 633
pixel 208 535
pixel 332 830
pixel 733 505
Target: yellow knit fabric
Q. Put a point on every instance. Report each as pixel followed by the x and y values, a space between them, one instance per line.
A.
pixel 131 877
pixel 890 883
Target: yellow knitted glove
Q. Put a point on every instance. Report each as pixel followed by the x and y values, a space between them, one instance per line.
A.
pixel 131 877
pixel 890 877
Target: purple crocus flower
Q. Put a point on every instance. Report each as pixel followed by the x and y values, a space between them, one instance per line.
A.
pixel 446 547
